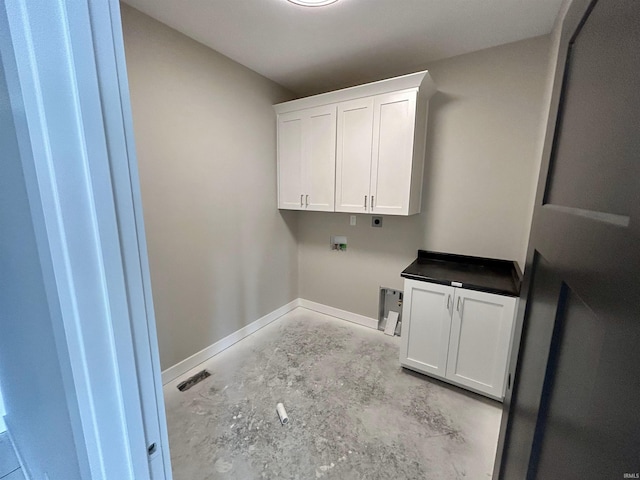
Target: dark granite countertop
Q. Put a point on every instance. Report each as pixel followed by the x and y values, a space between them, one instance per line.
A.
pixel 474 273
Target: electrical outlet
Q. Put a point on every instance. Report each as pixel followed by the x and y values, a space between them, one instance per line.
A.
pixel 352 220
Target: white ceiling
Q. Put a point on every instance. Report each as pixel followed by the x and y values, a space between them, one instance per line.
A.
pixel 312 50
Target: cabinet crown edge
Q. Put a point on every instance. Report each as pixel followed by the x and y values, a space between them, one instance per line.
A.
pixel 420 81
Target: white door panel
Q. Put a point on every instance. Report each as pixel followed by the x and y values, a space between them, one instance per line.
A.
pixel 353 155
pixel 320 164
pixel 290 155
pixel 426 326
pixel 480 338
pixel 394 123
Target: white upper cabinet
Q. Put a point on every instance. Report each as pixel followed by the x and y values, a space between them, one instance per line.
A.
pixel 353 156
pixel 307 159
pixel 392 160
pixel 290 160
pixel 377 144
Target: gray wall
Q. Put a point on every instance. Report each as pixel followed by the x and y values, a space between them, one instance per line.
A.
pixel 482 161
pixel 33 372
pixel 221 254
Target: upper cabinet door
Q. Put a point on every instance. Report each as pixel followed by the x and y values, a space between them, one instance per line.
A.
pixel 353 155
pixel 394 130
pixel 307 159
pixel 290 159
pixel 319 166
pixel 481 331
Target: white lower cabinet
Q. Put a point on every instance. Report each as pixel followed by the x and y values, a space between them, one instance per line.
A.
pixel 426 325
pixel 460 336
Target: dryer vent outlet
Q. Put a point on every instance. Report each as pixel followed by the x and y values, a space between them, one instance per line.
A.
pixel 390 301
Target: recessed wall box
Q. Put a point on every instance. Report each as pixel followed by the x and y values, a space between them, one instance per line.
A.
pixel 390 301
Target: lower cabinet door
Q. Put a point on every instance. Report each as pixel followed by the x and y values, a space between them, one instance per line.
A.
pixel 481 331
pixel 426 314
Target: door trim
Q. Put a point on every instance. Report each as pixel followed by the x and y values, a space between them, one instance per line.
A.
pixel 69 70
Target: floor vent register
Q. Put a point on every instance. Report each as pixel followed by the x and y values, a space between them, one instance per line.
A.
pixel 191 381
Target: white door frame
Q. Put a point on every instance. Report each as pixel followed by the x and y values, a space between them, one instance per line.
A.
pixel 69 91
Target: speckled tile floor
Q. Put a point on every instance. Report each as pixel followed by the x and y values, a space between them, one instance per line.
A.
pixel 354 412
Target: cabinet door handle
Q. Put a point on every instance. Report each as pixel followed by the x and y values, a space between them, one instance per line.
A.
pixel 301 195
pixel 307 200
pixel 449 302
pixel 372 197
pixel 458 305
pixel 365 202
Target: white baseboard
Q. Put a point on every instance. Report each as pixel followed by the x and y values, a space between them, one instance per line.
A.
pixel 205 354
pixel 341 314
